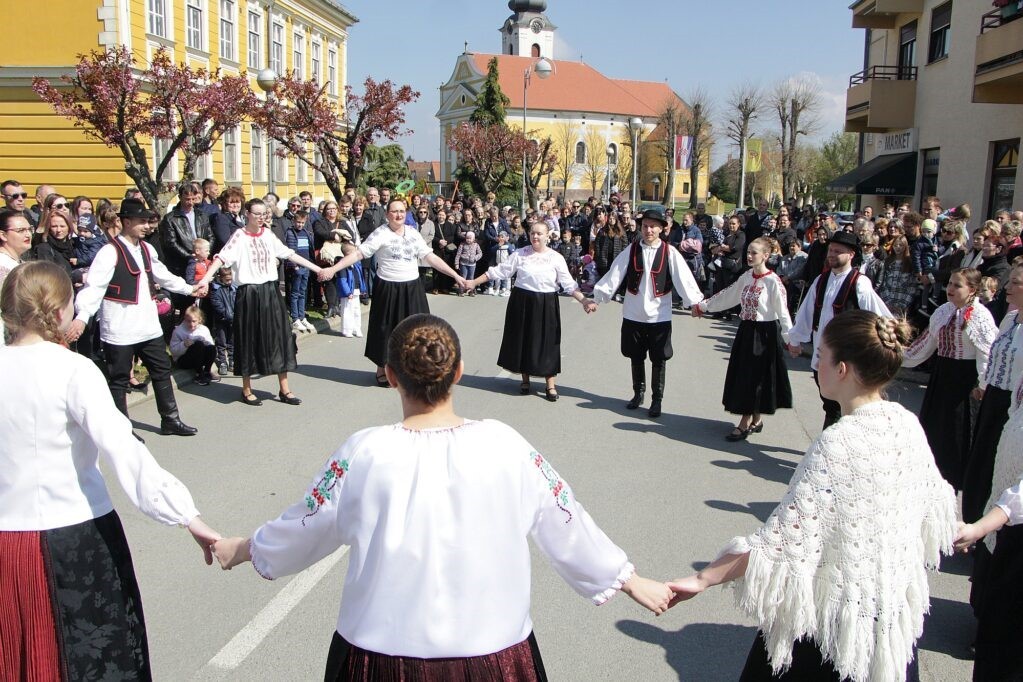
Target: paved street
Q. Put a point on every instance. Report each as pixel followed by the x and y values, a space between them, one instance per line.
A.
pixel 671 492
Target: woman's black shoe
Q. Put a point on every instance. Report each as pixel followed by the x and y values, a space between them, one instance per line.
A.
pixel 251 399
pixel 289 398
pixel 552 395
pixel 737 434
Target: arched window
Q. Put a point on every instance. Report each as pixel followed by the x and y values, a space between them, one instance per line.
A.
pixel 511 49
pixel 580 152
pixel 612 158
pixel 535 50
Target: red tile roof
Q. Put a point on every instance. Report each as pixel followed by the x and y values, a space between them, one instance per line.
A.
pixel 576 86
pixel 425 170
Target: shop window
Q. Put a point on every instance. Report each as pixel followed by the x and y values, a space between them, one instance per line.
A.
pixel 931 159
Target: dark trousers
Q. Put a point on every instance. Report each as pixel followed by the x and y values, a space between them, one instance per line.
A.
pixel 199 356
pixel 153 354
pixel 832 410
pixel 223 334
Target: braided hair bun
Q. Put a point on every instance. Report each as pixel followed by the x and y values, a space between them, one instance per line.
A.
pixel 871 344
pixel 424 353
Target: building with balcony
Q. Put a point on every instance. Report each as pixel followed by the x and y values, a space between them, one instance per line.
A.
pixel 938 104
pixel 37 146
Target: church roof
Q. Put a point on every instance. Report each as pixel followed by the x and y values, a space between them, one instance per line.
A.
pixel 576 86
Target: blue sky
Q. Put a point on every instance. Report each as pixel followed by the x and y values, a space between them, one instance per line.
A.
pixel 714 45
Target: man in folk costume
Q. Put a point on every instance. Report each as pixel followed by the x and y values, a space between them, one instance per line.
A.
pixel 121 280
pixel 650 269
pixel 840 287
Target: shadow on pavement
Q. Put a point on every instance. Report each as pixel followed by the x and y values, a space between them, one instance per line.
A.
pixel 949 628
pixel 699 651
pixel 340 375
pixel 759 510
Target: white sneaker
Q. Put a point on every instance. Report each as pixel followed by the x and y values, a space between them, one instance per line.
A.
pixel 308 326
pixel 358 335
pixel 506 293
pixel 490 292
pixel 298 326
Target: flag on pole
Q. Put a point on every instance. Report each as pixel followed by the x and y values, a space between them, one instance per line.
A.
pixel 754 155
pixel 683 152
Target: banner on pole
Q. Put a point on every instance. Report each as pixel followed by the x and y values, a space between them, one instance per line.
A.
pixel 683 152
pixel 754 155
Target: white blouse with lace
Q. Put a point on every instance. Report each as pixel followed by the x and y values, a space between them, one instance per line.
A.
pixel 539 271
pixel 1005 362
pixel 956 333
pixel 1007 479
pixel 842 558
pixel 438 522
pixel 761 298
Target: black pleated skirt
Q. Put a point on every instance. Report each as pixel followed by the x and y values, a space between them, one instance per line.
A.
pixel 946 418
pixel 1000 617
pixel 980 466
pixel 757 379
pixel 392 303
pixel 531 343
pixel 264 342
pixel 71 608
pixel 518 663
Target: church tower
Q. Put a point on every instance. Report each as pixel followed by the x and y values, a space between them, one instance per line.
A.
pixel 528 32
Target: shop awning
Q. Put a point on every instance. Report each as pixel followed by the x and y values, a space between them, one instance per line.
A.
pixel 888 175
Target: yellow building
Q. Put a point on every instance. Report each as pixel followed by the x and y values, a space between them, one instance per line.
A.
pixel 585 113
pixel 37 146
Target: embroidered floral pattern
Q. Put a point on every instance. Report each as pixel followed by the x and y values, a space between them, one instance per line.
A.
pixel 323 489
pixel 749 300
pixel 558 487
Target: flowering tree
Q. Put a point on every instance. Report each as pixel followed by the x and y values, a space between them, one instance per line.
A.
pixel 490 155
pixel 541 160
pixel 114 102
pixel 300 116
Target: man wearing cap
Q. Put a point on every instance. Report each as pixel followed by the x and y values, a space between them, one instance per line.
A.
pixel 651 270
pixel 121 280
pixel 839 288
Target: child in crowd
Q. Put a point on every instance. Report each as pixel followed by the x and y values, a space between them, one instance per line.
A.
pixel 588 275
pixel 988 290
pixel 199 263
pixel 89 239
pixel 192 347
pixel 330 253
pixel 499 253
pixel 349 288
pixel 225 291
pixel 469 252
pixel 299 237
pixel 575 255
pixel 928 263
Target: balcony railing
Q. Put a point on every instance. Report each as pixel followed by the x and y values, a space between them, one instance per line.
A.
pixel 883 73
pixel 996 18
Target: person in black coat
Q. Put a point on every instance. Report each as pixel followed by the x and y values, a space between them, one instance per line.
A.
pixel 181 227
pixel 228 220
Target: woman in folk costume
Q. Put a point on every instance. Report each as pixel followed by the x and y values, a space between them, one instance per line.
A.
pixel 836 577
pixel 650 269
pixel 417 605
pixel 757 381
pixel 961 331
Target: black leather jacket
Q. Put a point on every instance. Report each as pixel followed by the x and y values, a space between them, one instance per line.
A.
pixel 176 238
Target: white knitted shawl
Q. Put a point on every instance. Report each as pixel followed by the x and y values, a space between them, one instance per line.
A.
pixel 1008 460
pixel 842 558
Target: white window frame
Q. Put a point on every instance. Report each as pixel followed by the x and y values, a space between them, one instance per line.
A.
pixel 254 32
pixel 280 163
pixel 298 53
pixel 332 70
pixel 229 30
pixel 232 154
pixel 196 30
pixel 315 61
pixel 257 154
pixel 160 146
pixel 277 48
pixel 318 160
pixel 301 171
pixel 158 17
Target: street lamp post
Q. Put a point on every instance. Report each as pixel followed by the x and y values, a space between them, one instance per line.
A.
pixel 267 81
pixel 657 185
pixel 636 124
pixel 542 68
pixel 610 153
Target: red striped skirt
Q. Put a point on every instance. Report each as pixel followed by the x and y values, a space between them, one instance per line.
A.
pixel 28 634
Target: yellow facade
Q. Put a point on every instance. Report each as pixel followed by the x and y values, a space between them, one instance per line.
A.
pixel 39 147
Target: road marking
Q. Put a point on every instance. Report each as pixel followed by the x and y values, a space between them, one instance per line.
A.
pixel 270 616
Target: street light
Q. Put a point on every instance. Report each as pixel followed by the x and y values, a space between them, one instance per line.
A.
pixel 542 68
pixel 636 124
pixel 610 153
pixel 657 184
pixel 266 79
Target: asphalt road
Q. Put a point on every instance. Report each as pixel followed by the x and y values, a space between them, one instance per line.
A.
pixel 671 492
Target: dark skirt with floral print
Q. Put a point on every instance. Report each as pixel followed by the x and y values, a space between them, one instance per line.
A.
pixel 76 613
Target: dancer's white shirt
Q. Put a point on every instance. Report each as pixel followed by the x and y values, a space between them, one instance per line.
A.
pixel 644 306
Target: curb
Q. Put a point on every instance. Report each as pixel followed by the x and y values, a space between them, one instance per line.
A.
pixel 186 377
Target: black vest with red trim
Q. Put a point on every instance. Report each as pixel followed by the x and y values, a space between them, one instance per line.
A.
pixel 660 270
pixel 843 300
pixel 124 285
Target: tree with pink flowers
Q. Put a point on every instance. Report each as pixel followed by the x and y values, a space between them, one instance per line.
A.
pixel 122 106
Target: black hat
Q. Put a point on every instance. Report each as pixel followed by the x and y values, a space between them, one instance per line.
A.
pixel 845 239
pixel 134 208
pixel 655 214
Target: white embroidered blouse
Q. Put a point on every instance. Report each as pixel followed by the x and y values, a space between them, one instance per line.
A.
pixel 542 272
pixel 1007 478
pixel 1005 362
pixel 398 254
pixel 761 298
pixel 57 418
pixel 956 333
pixel 842 558
pixel 253 256
pixel 440 562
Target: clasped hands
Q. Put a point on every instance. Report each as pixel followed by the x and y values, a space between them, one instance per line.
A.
pixel 658 597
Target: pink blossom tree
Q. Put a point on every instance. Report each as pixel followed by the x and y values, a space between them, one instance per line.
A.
pixel 301 117
pixel 114 102
pixel 489 155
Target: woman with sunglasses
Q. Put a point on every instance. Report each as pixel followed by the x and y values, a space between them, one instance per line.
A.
pixel 53 203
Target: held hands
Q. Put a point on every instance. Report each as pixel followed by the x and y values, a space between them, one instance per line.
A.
pixel 795 350
pixel 685 589
pixel 231 551
pixel 205 537
pixel 648 593
pixel 325 274
pixel 696 311
pixel 589 305
pixel 200 290
pixel 977 393
pixel 74 331
pixel 967 536
pixel 464 284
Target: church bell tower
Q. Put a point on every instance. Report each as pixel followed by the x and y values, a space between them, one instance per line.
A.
pixel 528 31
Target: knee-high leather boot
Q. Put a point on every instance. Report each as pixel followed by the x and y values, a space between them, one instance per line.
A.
pixel 167 406
pixel 638 385
pixel 656 388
